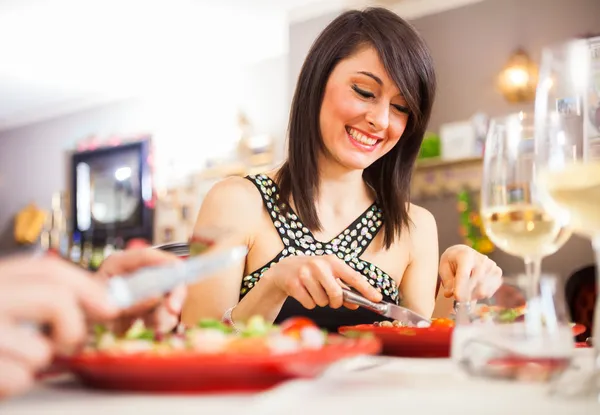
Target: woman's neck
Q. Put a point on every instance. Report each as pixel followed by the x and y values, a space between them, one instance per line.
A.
pixel 341 188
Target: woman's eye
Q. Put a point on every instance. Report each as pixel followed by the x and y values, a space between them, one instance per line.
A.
pixel 362 92
pixel 401 108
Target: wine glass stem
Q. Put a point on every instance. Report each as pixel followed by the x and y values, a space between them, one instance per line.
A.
pixel 533 269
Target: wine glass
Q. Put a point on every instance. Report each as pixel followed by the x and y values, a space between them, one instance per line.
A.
pixel 511 210
pixel 567 125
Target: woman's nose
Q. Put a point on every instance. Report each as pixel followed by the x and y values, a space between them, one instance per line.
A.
pixel 379 117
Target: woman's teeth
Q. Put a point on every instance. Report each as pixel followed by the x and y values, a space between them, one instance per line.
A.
pixel 361 138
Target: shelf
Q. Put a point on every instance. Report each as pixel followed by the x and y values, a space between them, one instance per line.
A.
pixel 439 178
pixel 433 163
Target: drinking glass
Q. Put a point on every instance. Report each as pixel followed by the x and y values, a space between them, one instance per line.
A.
pixel 523 340
pixel 514 217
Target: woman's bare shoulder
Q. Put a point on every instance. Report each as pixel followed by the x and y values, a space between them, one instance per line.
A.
pixel 234 199
pixel 423 234
pixel 236 187
pixel 422 219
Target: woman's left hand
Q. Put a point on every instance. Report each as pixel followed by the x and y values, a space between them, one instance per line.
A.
pixel 161 314
pixel 468 275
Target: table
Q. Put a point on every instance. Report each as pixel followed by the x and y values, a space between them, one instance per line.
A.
pixel 362 385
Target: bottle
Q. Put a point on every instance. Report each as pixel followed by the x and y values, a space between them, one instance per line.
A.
pixel 86 253
pixel 75 252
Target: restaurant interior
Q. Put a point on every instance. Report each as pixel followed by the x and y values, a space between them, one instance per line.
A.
pixel 136 109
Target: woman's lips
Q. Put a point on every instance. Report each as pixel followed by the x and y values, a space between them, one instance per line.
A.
pixel 362 141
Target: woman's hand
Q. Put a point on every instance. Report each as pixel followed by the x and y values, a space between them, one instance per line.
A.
pixel 161 313
pixel 468 275
pixel 318 281
pixel 48 292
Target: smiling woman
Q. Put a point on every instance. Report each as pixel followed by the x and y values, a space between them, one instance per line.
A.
pixel 384 83
pixel 338 213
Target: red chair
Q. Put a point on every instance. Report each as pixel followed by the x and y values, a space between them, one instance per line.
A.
pixel 581 292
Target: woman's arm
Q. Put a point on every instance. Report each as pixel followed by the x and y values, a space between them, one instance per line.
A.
pixel 233 204
pixel 420 278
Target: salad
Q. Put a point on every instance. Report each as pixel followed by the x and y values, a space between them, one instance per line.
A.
pixel 435 322
pixel 500 314
pixel 214 337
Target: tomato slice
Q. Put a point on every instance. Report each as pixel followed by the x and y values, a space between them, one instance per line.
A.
pixel 442 322
pixel 294 326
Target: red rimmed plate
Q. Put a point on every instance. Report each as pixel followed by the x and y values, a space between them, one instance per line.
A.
pixel 578 329
pixel 417 342
pixel 186 372
pixel 527 368
pixel 408 341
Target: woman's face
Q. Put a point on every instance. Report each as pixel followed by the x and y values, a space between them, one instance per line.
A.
pixel 363 113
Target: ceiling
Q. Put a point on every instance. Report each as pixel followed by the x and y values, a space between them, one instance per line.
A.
pixel 60 56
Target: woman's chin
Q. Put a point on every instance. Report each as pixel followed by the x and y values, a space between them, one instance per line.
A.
pixel 356 163
pixel 350 159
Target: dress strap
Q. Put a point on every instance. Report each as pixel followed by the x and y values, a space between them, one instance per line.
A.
pixel 365 228
pixel 270 195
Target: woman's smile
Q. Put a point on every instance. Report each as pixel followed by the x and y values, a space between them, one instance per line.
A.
pixel 362 140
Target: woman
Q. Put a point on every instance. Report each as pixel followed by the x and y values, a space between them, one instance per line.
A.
pixel 338 211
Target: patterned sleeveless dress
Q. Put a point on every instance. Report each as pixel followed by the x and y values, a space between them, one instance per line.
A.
pixel 348 245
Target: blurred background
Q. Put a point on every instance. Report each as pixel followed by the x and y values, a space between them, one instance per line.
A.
pixel 116 117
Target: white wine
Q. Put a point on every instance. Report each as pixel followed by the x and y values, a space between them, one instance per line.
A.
pixel 524 230
pixel 576 188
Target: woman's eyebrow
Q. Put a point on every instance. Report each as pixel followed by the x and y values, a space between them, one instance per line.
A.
pixel 373 76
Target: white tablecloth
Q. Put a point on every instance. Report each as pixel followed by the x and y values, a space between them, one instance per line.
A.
pixel 380 385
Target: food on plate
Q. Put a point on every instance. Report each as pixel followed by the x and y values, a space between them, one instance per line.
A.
pixel 481 312
pixel 442 322
pixel 214 337
pixel 506 315
pixel 500 314
pixel 528 369
pixel 436 322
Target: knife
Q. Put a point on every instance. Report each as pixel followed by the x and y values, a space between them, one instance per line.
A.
pixel 393 311
pixel 150 282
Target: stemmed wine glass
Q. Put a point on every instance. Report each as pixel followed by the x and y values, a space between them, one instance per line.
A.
pixel 512 212
pixel 567 141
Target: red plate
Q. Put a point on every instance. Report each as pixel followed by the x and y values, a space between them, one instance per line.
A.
pixel 529 369
pixel 409 341
pixel 578 329
pixel 417 342
pixel 192 372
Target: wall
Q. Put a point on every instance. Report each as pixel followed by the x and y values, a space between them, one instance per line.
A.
pixel 265 98
pixel 302 36
pixel 188 127
pixel 33 160
pixel 470 45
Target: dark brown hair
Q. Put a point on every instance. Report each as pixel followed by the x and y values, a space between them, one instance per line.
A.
pixel 407 60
